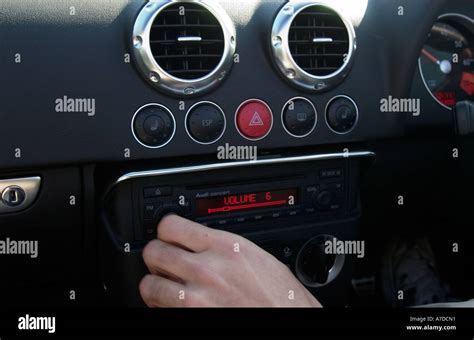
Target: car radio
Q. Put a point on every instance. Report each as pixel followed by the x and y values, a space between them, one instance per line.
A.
pixel 239 206
pixel 240 198
pixel 287 206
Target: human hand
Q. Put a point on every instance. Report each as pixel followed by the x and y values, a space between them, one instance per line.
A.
pixel 195 266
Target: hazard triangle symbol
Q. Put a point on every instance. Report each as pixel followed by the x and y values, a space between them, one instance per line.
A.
pixel 256 120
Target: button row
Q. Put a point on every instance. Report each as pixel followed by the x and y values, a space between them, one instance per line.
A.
pixel 154 126
pixel 254 218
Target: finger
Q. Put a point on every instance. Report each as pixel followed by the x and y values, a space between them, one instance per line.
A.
pixel 164 258
pixel 185 233
pixel 157 291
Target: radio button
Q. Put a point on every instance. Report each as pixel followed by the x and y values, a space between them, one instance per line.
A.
pixel 205 222
pixel 157 192
pixel 150 232
pixel 222 222
pixel 211 224
pixel 330 173
pixel 149 210
pixel 149 228
pixel 240 219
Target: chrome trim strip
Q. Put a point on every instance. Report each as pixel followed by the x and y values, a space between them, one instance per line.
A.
pixel 322 40
pixel 189 39
pixel 222 166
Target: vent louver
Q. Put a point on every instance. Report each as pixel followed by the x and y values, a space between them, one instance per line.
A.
pixel 187 41
pixel 318 41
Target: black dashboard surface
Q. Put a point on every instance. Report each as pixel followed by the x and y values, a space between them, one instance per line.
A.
pixel 94 177
pixel 46 53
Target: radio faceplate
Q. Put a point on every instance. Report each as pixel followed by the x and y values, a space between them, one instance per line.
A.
pixel 296 194
pixel 280 204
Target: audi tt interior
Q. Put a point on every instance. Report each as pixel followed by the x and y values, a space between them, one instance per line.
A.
pixel 299 125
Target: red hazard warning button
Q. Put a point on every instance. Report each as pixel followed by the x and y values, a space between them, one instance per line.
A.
pixel 254 119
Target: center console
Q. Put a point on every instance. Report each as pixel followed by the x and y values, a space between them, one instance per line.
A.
pixel 289 206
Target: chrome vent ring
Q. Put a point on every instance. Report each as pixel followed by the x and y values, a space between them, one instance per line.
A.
pixel 313 44
pixel 183 47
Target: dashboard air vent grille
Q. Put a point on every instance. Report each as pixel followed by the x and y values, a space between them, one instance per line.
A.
pixel 187 41
pixel 318 41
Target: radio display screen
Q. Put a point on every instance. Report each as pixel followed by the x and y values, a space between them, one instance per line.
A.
pixel 244 202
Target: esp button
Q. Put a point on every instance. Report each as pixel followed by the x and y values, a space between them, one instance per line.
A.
pixel 205 123
pixel 254 119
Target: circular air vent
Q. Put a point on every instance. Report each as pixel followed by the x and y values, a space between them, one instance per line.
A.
pixel 313 45
pixel 184 47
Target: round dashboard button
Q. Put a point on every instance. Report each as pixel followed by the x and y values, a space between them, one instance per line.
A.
pixel 342 114
pixel 153 126
pixel 254 119
pixel 299 117
pixel 205 123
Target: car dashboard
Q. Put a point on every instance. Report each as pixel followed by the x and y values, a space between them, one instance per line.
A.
pixel 262 118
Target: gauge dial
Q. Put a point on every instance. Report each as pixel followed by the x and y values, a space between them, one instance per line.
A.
pixel 447 60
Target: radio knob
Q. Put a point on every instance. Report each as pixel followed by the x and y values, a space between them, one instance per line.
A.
pixel 323 199
pixel 166 210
